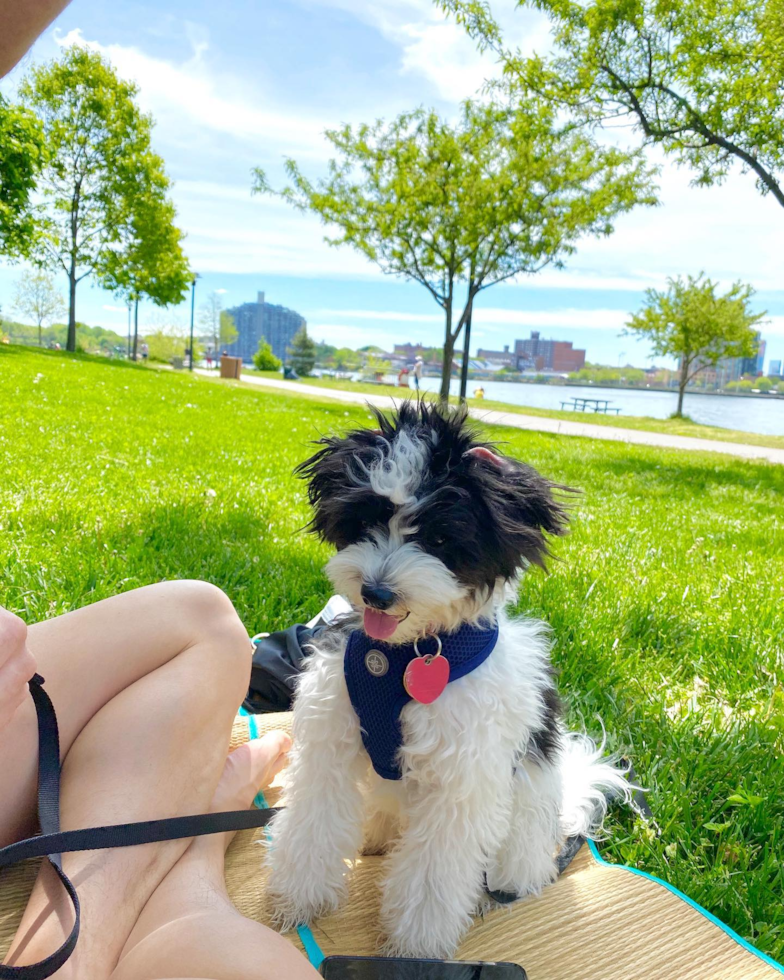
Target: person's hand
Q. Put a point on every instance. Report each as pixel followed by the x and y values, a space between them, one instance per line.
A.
pixel 17 665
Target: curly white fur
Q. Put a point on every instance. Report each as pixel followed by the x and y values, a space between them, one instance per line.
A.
pixel 484 795
pixel 462 809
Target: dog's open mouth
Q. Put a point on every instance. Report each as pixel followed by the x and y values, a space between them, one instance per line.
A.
pixel 381 625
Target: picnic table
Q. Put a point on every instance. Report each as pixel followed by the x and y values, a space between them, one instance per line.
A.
pixel 590 405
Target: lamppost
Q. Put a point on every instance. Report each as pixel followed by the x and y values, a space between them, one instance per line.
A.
pixel 193 310
pixel 129 330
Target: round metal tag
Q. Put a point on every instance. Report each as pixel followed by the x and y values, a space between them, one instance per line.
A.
pixel 376 663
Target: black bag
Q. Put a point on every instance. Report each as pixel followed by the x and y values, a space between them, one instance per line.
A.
pixel 278 661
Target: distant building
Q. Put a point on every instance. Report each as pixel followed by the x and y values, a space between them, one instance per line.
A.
pixel 260 319
pixel 548 355
pixel 536 354
pixel 774 369
pixel 505 356
pixel 732 368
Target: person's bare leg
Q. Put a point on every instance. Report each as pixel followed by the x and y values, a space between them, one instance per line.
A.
pixel 155 749
pixel 189 928
pixel 86 658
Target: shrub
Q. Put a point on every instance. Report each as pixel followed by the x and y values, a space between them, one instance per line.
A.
pixel 264 359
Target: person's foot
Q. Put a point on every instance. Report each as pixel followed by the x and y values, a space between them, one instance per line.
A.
pixel 250 767
pixel 195 885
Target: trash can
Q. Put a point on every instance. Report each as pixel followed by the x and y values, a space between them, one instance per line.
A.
pixel 177 363
pixel 231 367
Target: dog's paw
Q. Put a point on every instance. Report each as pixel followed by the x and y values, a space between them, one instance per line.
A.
pixel 528 874
pixel 297 901
pixel 287 913
pixel 307 876
pixel 415 925
pixel 420 946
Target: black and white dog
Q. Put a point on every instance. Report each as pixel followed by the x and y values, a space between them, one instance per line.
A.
pixel 430 722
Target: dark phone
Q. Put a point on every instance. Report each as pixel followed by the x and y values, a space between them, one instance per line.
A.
pixel 383 968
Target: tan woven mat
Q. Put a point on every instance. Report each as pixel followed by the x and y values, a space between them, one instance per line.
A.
pixel 597 922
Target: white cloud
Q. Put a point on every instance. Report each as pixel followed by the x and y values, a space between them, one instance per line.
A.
pixel 546 319
pixel 347 335
pixel 436 48
pixel 187 95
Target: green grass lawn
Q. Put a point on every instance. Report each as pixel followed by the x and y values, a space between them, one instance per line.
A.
pixel 666 601
pixel 679 427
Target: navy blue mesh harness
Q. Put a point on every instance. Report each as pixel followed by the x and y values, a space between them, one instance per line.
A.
pixel 378 698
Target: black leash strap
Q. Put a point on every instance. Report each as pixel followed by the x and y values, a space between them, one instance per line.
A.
pixel 52 843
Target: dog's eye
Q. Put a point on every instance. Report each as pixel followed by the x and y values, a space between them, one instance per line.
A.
pixel 437 540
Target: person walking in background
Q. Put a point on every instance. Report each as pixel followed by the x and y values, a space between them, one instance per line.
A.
pixel 417 372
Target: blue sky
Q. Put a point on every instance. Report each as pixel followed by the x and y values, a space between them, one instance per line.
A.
pixel 240 84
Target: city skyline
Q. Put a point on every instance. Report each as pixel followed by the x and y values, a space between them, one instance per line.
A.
pixel 219 112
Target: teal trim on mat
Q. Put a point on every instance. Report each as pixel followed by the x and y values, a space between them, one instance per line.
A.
pixel 243 712
pixel 690 901
pixel 308 940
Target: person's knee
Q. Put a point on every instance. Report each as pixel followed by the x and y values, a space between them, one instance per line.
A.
pixel 215 622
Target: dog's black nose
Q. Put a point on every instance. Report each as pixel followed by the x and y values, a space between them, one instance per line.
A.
pixel 377 596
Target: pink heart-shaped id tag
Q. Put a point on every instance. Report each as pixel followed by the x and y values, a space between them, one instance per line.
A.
pixel 426 677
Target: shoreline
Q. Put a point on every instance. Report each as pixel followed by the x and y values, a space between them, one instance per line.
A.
pixel 613 387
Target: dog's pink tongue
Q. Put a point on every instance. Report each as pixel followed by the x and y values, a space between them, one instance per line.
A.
pixel 379 625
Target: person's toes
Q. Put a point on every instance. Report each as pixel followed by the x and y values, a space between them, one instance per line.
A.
pixel 251 767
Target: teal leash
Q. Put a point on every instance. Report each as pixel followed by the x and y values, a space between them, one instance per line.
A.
pixel 308 940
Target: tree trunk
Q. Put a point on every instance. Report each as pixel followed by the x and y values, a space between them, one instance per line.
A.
pixel 40 338
pixel 446 368
pixel 135 328
pixel 466 346
pixel 70 343
pixel 449 350
pixel 682 386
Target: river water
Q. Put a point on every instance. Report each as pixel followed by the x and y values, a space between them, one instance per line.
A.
pixel 761 415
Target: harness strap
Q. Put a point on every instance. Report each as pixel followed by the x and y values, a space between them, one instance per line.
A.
pixel 52 843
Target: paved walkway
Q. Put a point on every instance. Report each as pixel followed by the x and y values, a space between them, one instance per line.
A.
pixel 539 423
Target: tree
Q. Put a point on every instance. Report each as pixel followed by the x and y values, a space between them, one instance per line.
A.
pixel 210 317
pixel 764 384
pixel 264 359
pixel 97 159
pixel 324 352
pixel 228 329
pixel 376 365
pixel 692 323
pixel 501 193
pixel 302 353
pixel 149 260
pixel 38 299
pixel 165 344
pixel 22 153
pixel 345 359
pixel 703 79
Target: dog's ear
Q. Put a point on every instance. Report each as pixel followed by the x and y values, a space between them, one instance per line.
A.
pixel 524 506
pixel 335 474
